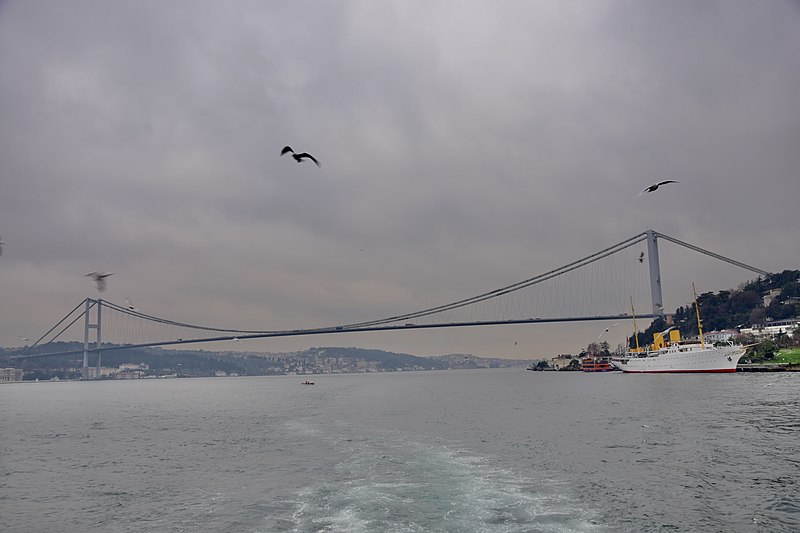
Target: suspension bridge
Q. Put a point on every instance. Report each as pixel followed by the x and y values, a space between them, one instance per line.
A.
pixel 605 285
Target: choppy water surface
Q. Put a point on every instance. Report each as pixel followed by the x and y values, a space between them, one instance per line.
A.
pixel 488 450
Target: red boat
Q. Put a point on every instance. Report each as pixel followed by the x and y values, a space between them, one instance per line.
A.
pixel 596 364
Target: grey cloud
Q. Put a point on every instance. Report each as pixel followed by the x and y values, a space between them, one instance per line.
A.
pixel 461 151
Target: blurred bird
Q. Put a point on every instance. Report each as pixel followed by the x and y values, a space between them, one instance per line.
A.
pixel 99 279
pixel 235 339
pixel 606 330
pixel 299 157
pixel 23 338
pixel 641 257
pixel 655 186
pixel 1 246
pixel 130 305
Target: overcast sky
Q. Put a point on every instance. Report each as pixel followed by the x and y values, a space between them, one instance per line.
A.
pixel 464 146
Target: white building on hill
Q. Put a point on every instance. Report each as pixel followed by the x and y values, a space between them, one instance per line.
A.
pixel 774 328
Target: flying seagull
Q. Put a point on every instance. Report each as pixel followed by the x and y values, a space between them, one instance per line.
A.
pixel 99 279
pixel 299 157
pixel 130 305
pixel 655 186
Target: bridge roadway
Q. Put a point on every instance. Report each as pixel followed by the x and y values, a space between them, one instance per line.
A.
pixel 339 329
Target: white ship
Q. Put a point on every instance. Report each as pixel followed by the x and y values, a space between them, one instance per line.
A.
pixel 674 355
pixel 680 357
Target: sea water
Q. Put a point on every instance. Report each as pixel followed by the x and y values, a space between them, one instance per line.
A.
pixel 463 450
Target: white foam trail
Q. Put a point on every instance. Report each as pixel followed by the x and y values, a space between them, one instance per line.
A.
pixel 387 482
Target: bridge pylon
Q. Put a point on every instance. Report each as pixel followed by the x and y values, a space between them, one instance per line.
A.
pixel 88 325
pixel 655 272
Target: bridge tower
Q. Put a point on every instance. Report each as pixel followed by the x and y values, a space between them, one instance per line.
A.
pixel 87 325
pixel 655 272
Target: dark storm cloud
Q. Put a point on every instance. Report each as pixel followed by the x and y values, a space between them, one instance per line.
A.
pixel 461 150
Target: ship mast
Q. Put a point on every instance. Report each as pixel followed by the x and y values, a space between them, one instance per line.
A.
pixel 697 310
pixel 635 331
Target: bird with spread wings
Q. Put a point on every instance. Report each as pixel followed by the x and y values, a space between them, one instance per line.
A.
pixel 299 157
pixel 99 279
pixel 655 186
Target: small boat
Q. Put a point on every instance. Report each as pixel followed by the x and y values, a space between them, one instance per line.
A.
pixel 598 363
pixel 306 382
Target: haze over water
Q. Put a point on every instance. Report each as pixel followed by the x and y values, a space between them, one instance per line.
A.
pixel 488 450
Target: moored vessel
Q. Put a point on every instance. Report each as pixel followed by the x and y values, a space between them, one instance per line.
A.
pixel 674 355
pixel 681 357
pixel 592 363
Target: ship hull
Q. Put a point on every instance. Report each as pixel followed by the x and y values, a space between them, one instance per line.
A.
pixel 682 360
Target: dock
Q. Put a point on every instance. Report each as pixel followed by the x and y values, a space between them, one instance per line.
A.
pixel 768 367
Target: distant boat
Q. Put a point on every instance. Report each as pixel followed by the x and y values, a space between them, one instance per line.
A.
pixel 306 382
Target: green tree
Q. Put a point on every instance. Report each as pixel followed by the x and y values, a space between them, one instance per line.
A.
pixel 782 340
pixel 764 351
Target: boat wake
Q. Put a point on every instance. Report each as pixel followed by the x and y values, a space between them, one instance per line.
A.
pixel 388 482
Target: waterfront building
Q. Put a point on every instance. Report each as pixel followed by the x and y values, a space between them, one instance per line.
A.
pixel 134 366
pixel 561 362
pixel 774 328
pixel 10 374
pixel 720 336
